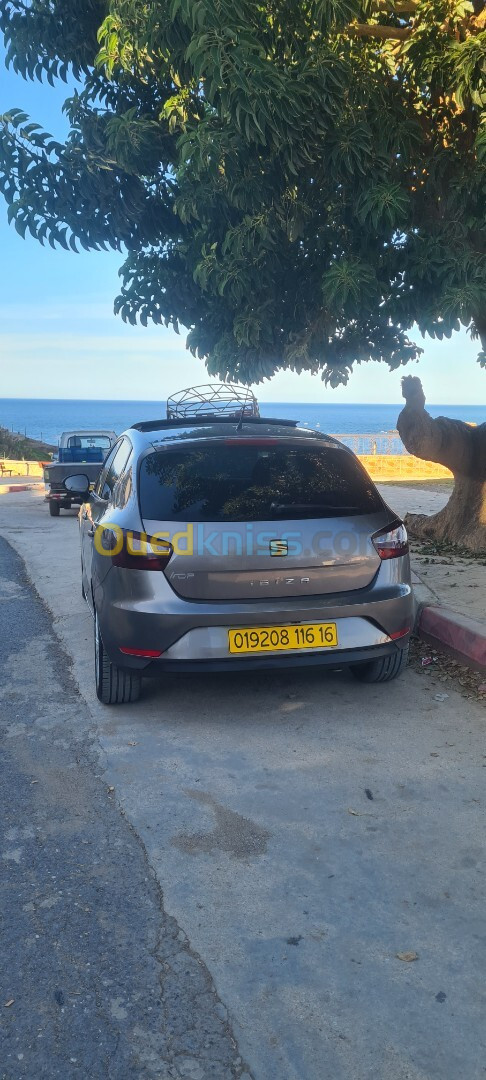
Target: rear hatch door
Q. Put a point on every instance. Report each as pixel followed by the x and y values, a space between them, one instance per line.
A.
pixel 251 518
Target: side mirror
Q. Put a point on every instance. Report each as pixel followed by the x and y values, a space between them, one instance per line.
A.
pixel 78 483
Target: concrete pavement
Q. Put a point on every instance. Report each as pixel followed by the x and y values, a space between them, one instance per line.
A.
pixel 96 979
pixel 305 831
pixel 405 499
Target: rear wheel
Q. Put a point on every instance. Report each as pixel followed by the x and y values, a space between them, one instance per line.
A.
pixel 114 686
pixel 54 508
pixel 382 670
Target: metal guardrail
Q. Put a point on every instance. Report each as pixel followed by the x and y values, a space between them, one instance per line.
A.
pixel 385 458
pixel 388 442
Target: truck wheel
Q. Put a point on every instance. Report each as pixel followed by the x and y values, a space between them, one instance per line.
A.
pixel 382 670
pixel 114 685
pixel 54 508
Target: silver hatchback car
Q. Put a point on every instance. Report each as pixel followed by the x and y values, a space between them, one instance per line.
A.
pixel 215 545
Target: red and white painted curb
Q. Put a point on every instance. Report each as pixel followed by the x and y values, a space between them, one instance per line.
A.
pixel 463 637
pixel 6 489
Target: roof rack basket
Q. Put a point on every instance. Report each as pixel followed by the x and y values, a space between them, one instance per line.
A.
pixel 213 399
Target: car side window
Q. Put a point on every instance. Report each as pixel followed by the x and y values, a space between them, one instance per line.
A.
pixel 115 469
pixel 100 483
pixel 123 488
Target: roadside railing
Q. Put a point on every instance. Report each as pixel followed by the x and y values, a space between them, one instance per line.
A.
pixel 385 458
pixel 388 442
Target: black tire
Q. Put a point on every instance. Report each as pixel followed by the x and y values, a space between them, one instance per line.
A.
pixel 83 591
pixel 114 685
pixel 382 670
pixel 54 508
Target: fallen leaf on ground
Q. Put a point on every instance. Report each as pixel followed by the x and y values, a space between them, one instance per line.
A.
pixel 407 957
pixel 111 788
pixel 355 813
pixel 465 680
pixel 290 706
pixel 7 1004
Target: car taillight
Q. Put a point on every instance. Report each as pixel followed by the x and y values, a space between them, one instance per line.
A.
pixel 134 550
pixel 151 654
pixel 391 543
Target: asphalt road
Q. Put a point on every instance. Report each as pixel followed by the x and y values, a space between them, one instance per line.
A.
pixel 97 980
pixel 304 830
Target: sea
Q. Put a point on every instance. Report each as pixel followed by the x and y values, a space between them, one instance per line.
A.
pixel 46 418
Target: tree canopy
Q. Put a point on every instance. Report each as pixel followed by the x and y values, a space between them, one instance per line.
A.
pixel 297 182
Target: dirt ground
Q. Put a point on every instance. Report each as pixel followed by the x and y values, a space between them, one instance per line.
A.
pixel 438 667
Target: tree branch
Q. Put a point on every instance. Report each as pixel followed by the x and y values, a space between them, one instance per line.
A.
pixel 406 8
pixel 480 324
pixel 449 442
pixel 361 30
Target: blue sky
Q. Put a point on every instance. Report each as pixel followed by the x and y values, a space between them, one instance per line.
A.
pixel 60 338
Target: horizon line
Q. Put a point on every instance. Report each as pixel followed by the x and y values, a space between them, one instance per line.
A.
pixel 147 401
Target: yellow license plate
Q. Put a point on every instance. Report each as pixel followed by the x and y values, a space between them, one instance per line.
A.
pixel 276 638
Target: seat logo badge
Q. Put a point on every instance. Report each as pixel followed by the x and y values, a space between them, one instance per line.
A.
pixel 279 547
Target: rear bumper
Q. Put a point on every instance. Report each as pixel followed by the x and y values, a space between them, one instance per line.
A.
pixel 197 632
pixel 64 497
pixel 334 658
pixel 138 610
pixel 206 646
pixel 211 642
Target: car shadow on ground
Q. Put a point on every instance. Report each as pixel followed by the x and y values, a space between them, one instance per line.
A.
pixel 258 700
pixel 237 686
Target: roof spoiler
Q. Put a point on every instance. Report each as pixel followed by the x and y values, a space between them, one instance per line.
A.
pixel 210 419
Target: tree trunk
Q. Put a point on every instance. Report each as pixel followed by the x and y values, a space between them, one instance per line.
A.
pixel 480 320
pixel 462 449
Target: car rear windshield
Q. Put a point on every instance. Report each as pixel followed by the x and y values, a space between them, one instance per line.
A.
pixel 253 482
pixel 86 442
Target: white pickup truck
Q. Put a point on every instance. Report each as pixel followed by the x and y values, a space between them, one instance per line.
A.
pixel 78 452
